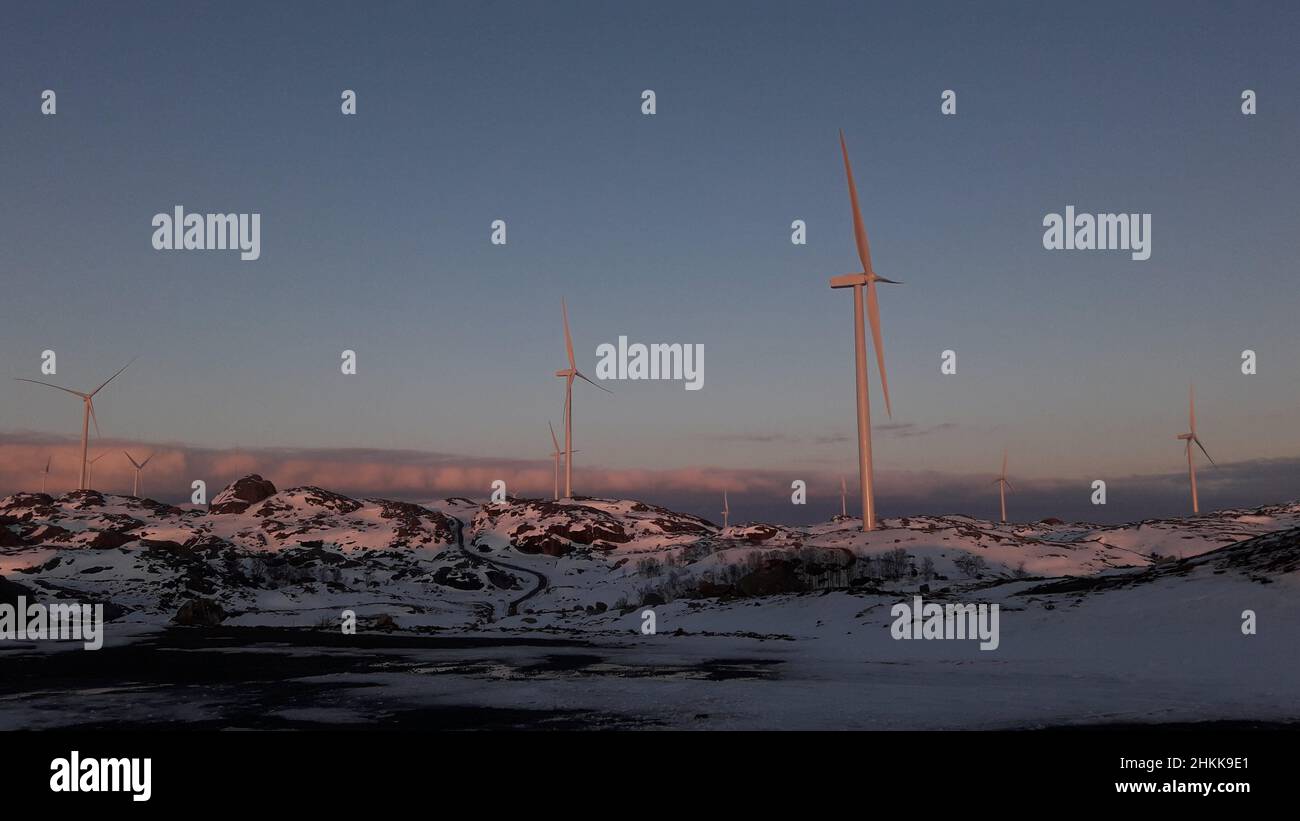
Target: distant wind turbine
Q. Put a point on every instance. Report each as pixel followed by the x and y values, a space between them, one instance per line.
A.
pixel 90 471
pixel 568 374
pixel 45 473
pixel 139 467
pixel 88 413
pixel 556 454
pixel 865 279
pixel 1191 437
pixel 1003 484
pixel 726 510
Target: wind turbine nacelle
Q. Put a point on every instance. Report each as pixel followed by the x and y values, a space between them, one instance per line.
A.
pixel 564 373
pixel 849 280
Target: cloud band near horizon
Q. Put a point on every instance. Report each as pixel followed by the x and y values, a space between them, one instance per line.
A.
pixel 755 494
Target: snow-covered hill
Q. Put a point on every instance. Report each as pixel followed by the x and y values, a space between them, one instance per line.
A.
pixel 757 625
pixel 302 555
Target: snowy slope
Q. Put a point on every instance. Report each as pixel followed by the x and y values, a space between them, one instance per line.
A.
pixel 302 555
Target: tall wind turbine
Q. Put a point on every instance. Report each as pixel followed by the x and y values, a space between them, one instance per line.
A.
pixel 45 473
pixel 139 467
pixel 1191 437
pixel 726 510
pixel 866 280
pixel 88 413
pixel 90 470
pixel 568 375
pixel 1003 484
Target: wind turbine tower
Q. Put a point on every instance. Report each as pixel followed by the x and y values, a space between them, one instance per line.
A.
pixel 864 281
pixel 88 413
pixel 1003 484
pixel 1191 437
pixel 569 374
pixel 139 467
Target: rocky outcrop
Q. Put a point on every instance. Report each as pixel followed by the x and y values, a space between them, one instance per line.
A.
pixel 199 613
pixel 242 494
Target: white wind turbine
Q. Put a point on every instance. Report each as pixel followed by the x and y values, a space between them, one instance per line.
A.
pixel 1191 437
pixel 568 374
pixel 1003 484
pixel 45 473
pixel 139 467
pixel 865 279
pixel 90 471
pixel 726 510
pixel 556 454
pixel 88 413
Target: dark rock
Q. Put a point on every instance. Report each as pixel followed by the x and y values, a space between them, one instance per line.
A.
pixel 200 613
pixel 239 496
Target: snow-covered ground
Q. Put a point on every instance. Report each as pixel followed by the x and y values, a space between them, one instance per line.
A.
pixel 530 613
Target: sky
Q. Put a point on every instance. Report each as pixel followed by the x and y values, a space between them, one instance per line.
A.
pixel 375 237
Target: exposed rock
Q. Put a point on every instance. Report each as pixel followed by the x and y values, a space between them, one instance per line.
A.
pixel 200 613
pixel 244 492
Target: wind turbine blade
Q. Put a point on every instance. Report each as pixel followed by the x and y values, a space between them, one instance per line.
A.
pixel 114 376
pixel 1191 409
pixel 859 232
pixel 554 441
pixel 873 309
pixel 1203 450
pixel 1010 486
pixel 47 463
pixel 146 461
pixel 94 418
pixel 568 339
pixel 132 461
pixel 48 385
pixel 583 376
pixel 1004 463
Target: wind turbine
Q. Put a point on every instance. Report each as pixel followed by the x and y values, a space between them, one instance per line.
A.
pixel 1003 484
pixel 726 510
pixel 135 488
pixel 45 473
pixel 1191 437
pixel 90 470
pixel 555 454
pixel 568 375
pixel 864 280
pixel 88 413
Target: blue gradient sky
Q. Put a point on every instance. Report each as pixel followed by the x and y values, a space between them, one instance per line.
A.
pixel 666 228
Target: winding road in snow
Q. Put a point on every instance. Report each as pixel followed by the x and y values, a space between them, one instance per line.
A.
pixel 513 607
